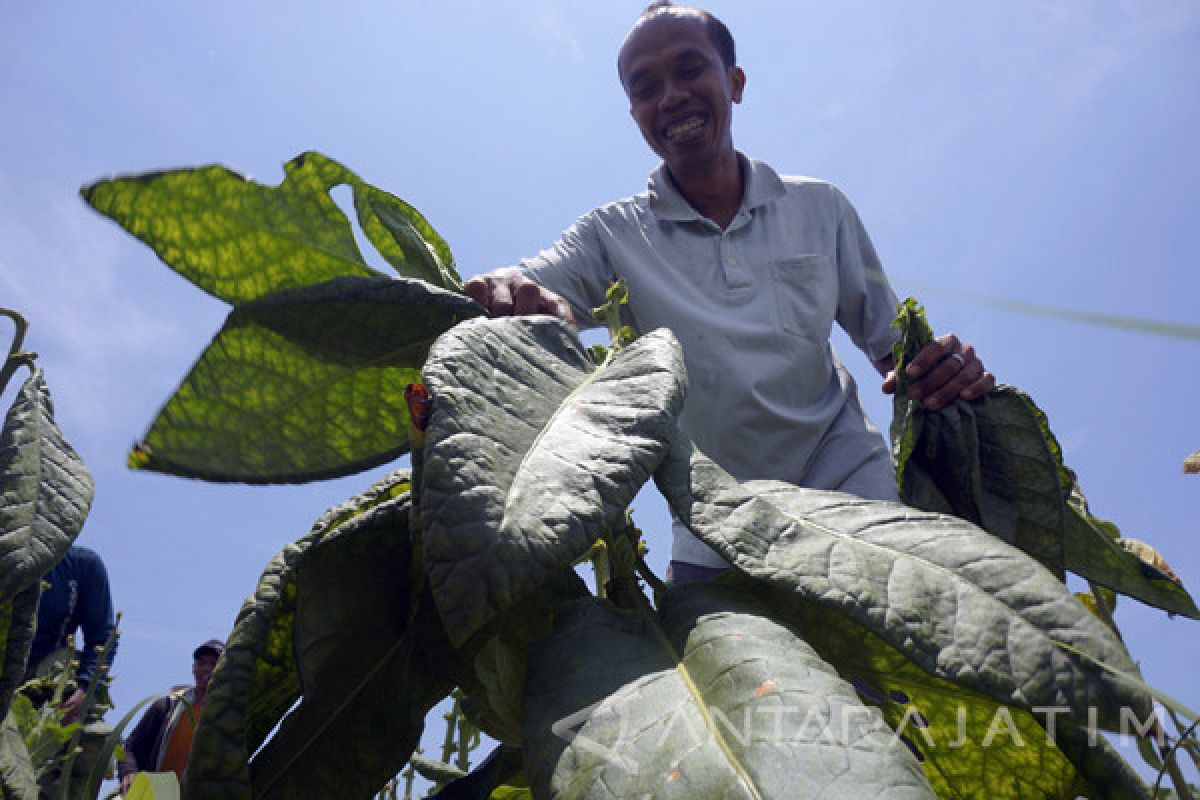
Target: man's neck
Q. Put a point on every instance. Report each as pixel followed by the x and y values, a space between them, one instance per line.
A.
pixel 715 191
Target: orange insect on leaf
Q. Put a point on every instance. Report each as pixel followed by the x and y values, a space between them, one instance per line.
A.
pixel 419 404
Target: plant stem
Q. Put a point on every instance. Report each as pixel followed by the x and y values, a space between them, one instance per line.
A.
pixel 649 577
pixel 451 718
pixel 410 775
pixel 467 739
pixel 1186 740
pixel 1171 766
pixel 89 699
pixel 623 588
pixel 602 567
pixel 16 356
pixel 1105 612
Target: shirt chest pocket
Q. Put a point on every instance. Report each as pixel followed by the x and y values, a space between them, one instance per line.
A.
pixel 806 294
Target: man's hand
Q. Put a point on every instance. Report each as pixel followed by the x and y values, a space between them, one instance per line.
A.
pixel 127 781
pixel 945 369
pixel 506 293
pixel 72 706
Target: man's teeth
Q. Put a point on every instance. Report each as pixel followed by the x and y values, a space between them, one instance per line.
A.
pixel 684 128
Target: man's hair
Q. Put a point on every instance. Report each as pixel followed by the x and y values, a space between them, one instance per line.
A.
pixel 718 34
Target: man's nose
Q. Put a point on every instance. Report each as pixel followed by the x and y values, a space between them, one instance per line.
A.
pixel 673 94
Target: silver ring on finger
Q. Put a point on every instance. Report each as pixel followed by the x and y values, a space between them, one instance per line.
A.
pixel 962 362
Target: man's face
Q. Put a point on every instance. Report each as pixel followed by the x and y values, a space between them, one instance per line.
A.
pixel 202 669
pixel 680 92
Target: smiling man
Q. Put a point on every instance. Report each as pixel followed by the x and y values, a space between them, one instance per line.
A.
pixel 749 269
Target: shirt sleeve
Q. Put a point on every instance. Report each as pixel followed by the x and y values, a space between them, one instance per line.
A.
pixel 866 302
pixel 96 618
pixel 140 743
pixel 575 267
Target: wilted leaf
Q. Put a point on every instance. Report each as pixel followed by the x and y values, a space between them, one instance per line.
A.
pixel 303 384
pixel 994 461
pixel 531 452
pixel 240 240
pixel 329 625
pixel 45 490
pixel 955 600
pixel 709 698
pixel 1151 558
pixel 970 745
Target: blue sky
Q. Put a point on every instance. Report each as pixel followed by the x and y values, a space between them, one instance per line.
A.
pixel 1038 151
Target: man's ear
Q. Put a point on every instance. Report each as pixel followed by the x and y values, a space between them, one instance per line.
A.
pixel 738 76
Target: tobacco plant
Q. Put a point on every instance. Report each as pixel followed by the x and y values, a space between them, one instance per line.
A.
pixel 45 494
pixel 857 649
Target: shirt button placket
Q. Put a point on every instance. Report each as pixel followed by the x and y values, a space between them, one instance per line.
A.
pixel 734 270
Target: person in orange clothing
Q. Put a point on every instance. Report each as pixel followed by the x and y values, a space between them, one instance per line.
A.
pixel 162 739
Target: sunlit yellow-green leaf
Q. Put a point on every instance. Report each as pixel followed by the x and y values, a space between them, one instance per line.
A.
pixel 240 240
pixel 303 384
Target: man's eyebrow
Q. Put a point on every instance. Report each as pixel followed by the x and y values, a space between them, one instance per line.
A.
pixel 636 75
pixel 684 55
pixel 691 52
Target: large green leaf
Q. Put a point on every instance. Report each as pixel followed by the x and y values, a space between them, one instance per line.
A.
pixel 531 452
pixel 970 745
pixel 955 600
pixel 995 462
pixel 18 617
pixel 710 697
pixel 303 384
pixel 45 489
pixel 330 625
pixel 240 240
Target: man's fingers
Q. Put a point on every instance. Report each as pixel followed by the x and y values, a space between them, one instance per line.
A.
pixel 931 355
pixel 889 382
pixel 477 290
pixel 501 300
pixel 505 294
pixel 984 384
pixel 936 377
pixel 951 389
pixel 958 373
pixel 527 298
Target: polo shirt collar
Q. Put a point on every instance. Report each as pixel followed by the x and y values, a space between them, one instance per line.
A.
pixel 763 185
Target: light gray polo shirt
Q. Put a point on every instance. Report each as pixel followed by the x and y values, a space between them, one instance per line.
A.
pixel 753 306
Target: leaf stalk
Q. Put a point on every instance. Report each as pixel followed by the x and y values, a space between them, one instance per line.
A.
pixel 17 357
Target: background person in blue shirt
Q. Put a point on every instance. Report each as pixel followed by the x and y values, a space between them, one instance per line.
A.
pixel 77 598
